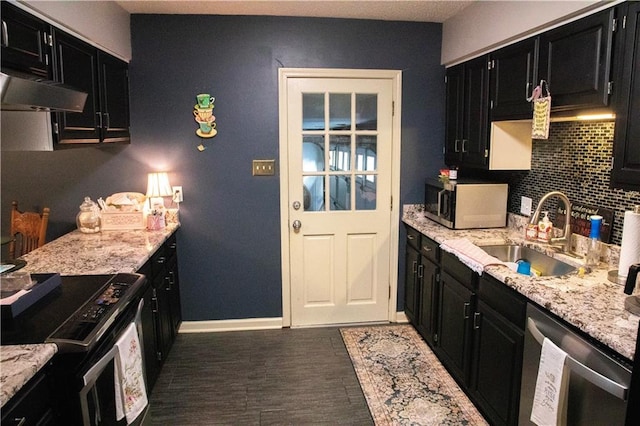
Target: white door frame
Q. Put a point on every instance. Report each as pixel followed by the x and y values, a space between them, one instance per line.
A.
pixel 396 77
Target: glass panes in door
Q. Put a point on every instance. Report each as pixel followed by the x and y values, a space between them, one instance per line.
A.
pixel 339 151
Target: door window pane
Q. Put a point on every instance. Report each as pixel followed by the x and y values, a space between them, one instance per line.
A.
pixel 313 153
pixel 313 193
pixel 340 192
pixel 366 112
pixel 366 147
pixel 366 192
pixel 312 111
pixel 340 152
pixel 340 111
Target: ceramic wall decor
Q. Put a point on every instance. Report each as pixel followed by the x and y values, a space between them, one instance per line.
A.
pixel 203 114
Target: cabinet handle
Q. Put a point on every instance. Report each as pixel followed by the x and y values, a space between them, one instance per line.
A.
pixel 465 310
pixel 100 119
pixel 107 120
pixel 420 271
pixel 526 91
pixel 415 267
pixel 426 249
pixel 411 237
pixel 161 260
pixel 172 278
pixel 456 148
pixel 464 145
pixel 476 321
pixel 173 246
pixel 22 420
pixel 5 33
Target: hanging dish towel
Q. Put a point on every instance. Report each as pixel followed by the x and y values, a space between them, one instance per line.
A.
pixel 541 111
pixel 550 397
pixel 131 394
pixel 470 254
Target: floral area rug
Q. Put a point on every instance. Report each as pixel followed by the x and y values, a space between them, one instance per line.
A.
pixel 403 381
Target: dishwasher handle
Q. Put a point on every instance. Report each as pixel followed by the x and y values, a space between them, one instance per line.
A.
pixel 603 382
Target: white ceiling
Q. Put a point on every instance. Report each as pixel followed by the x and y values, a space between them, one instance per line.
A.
pixel 387 10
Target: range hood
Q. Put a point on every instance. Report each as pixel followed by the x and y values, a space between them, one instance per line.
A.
pixel 22 92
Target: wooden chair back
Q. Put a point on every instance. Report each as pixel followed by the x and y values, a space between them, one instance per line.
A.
pixel 28 230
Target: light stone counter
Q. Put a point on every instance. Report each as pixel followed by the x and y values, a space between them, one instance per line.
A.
pixel 590 302
pixel 75 253
pixel 19 363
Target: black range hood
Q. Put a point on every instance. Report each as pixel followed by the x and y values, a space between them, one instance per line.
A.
pixel 23 92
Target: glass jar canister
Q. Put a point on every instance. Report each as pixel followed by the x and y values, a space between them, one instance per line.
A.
pixel 88 220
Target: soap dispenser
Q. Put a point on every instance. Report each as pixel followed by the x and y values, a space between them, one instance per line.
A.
pixel 545 228
pixel 593 249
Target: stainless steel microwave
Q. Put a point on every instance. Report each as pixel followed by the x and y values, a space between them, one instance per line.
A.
pixel 466 203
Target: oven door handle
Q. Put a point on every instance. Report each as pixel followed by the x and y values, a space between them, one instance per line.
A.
pixel 603 382
pixel 91 376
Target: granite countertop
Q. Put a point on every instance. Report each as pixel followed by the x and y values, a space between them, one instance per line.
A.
pixel 589 301
pixel 106 252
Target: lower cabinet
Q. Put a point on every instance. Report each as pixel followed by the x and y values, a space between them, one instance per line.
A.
pixel 454 332
pixel 32 405
pixel 161 316
pixel 498 342
pixel 475 325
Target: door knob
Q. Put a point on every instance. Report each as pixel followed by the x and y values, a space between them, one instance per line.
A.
pixel 296 205
pixel 296 225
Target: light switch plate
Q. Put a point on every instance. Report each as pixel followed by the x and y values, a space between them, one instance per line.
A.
pixel 264 167
pixel 178 196
pixel 525 206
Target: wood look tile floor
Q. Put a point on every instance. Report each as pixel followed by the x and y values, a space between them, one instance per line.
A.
pixel 267 377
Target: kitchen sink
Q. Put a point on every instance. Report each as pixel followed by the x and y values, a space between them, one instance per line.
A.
pixel 546 265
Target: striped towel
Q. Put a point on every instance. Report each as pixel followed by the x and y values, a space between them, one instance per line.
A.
pixel 470 254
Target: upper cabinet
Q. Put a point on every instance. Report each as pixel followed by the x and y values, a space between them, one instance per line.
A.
pixel 466 114
pixel 26 42
pixel 514 74
pixel 105 78
pixel 575 59
pixel 626 164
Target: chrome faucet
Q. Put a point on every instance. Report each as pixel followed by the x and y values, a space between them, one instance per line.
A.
pixel 565 240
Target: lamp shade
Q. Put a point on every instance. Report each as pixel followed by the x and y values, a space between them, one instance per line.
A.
pixel 158 185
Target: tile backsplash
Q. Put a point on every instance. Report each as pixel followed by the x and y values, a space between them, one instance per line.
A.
pixel 576 159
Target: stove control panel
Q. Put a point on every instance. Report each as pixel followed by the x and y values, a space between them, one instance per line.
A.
pixel 95 317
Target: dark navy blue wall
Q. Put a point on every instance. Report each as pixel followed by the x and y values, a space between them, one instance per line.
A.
pixel 229 243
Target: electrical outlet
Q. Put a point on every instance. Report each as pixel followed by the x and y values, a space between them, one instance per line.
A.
pixel 525 206
pixel 264 167
pixel 178 196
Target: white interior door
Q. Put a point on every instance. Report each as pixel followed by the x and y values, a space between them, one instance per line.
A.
pixel 338 180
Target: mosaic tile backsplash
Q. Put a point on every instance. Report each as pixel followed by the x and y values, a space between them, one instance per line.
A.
pixel 576 159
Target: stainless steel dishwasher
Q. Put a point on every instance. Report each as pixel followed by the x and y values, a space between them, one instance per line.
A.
pixel 598 382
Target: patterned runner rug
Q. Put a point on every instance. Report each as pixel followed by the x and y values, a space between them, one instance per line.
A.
pixel 403 381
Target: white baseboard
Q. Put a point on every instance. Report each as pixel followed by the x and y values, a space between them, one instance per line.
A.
pixel 401 317
pixel 230 325
pixel 215 326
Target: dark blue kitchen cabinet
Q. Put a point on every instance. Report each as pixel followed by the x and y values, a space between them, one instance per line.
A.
pixel 576 61
pixel 626 165
pixel 105 79
pixel 513 75
pixel 26 42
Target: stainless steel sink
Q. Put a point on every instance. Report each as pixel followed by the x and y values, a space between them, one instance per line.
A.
pixel 546 265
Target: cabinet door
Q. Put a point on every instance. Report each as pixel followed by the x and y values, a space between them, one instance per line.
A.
pixel 454 329
pixel 512 78
pixel 497 365
pixel 454 88
pixel 25 42
pixel 427 303
pixel 77 66
pixel 411 283
pixel 114 98
pixel 475 119
pixel 575 59
pixel 149 337
pixel 626 166
pixel 174 284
